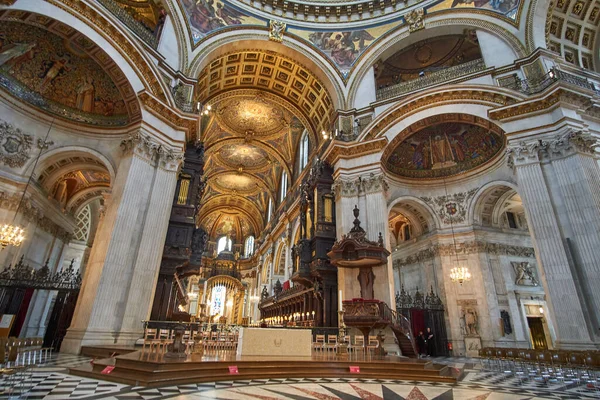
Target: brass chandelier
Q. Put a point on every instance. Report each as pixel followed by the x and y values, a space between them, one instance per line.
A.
pixel 12 234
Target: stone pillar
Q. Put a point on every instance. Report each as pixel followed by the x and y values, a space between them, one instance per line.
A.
pixel 558 183
pixel 346 197
pixel 116 294
pixel 376 216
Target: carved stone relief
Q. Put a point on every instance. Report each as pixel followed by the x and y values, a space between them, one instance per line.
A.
pixel 15 145
pixel 524 274
pixel 469 318
pixel 451 208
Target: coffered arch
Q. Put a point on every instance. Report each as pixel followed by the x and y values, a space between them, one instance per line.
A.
pixel 277 77
pixel 260 185
pixel 236 202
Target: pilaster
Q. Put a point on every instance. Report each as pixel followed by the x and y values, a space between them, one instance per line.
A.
pixel 116 293
pixel 540 203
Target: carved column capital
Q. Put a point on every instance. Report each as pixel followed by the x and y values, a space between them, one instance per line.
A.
pixel 148 149
pixel 374 183
pixel 566 144
pixel 345 188
pixel 523 153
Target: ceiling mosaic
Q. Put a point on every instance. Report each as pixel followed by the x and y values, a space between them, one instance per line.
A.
pixel 58 69
pixel 255 116
pixel 236 182
pixel 427 56
pixel 441 147
pixel 343 47
pixel 230 223
pixel 149 13
pixel 245 155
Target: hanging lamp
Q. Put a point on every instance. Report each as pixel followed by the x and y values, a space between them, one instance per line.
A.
pixel 458 274
pixel 13 234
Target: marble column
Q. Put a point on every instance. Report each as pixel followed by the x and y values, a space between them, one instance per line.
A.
pixel 116 294
pixel 346 197
pixel 375 215
pixel 561 203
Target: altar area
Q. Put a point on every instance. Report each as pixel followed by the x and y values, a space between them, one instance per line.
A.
pixel 274 342
pixel 151 369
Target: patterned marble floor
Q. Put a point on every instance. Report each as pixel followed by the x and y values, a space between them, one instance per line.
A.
pixel 50 381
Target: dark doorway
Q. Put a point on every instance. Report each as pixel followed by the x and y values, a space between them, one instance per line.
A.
pixel 538 336
pixel 60 318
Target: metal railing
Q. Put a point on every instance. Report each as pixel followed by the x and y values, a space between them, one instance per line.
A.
pixel 22 92
pixel 142 31
pixel 435 78
pixel 534 86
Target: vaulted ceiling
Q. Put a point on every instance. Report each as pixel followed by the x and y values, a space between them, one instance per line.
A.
pixel 251 140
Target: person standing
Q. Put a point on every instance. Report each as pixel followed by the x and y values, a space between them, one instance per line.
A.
pixel 429 337
pixel 421 344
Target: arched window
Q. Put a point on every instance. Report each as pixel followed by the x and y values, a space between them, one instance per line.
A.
pixel 224 243
pixel 84 219
pixel 249 247
pixel 284 185
pixel 303 150
pixel 269 210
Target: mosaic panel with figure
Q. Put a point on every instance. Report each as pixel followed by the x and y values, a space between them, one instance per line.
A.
pixel 58 69
pixel 444 149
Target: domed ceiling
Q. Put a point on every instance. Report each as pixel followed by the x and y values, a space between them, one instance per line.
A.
pixel 56 68
pixel 250 141
pixel 254 116
pixel 442 146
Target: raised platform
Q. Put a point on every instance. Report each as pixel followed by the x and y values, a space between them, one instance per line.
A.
pixel 107 351
pixel 143 370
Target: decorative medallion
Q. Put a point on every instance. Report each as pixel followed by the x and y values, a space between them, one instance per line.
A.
pixel 276 30
pixel 252 115
pixel 14 145
pixel 414 19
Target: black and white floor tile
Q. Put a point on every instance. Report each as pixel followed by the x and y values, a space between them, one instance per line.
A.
pixel 50 381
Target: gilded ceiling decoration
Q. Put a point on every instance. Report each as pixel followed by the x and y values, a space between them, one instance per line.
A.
pixel 232 223
pixel 255 116
pixel 245 155
pixel 235 182
pixel 277 78
pixel 343 47
pixel 149 13
pixel 571 30
pixel 443 146
pixel 54 62
pixel 427 56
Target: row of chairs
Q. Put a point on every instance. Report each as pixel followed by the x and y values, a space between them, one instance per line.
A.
pixel 23 351
pixel 568 368
pixel 157 340
pixel 356 343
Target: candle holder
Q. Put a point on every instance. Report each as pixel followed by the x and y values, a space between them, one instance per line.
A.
pixel 342 348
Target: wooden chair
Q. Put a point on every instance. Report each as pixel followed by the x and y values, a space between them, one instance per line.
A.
pixel 332 342
pixel 319 343
pixel 150 339
pixel 373 344
pixel 165 338
pixel 359 343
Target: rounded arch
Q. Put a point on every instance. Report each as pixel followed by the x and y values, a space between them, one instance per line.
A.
pixel 478 98
pixel 535 23
pixel 279 259
pixel 113 38
pixel 435 25
pixel 257 38
pixel 229 282
pixel 485 206
pixel 85 197
pixel 59 153
pixel 417 212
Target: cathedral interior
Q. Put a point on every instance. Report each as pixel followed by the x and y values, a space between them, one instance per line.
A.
pixel 218 167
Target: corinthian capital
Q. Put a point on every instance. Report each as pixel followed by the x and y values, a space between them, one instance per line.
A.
pixel 345 188
pixel 523 153
pixel 374 183
pixel 568 143
pixel 148 149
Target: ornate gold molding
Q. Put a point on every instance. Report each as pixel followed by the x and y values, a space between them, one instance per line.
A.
pixel 99 23
pixel 343 150
pixel 457 95
pixel 168 115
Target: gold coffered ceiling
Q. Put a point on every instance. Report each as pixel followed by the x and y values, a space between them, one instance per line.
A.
pixel 251 139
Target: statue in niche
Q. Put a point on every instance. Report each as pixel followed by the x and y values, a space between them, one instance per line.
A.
pixel 469 322
pixel 524 274
pixel 366 277
pixel 506 322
